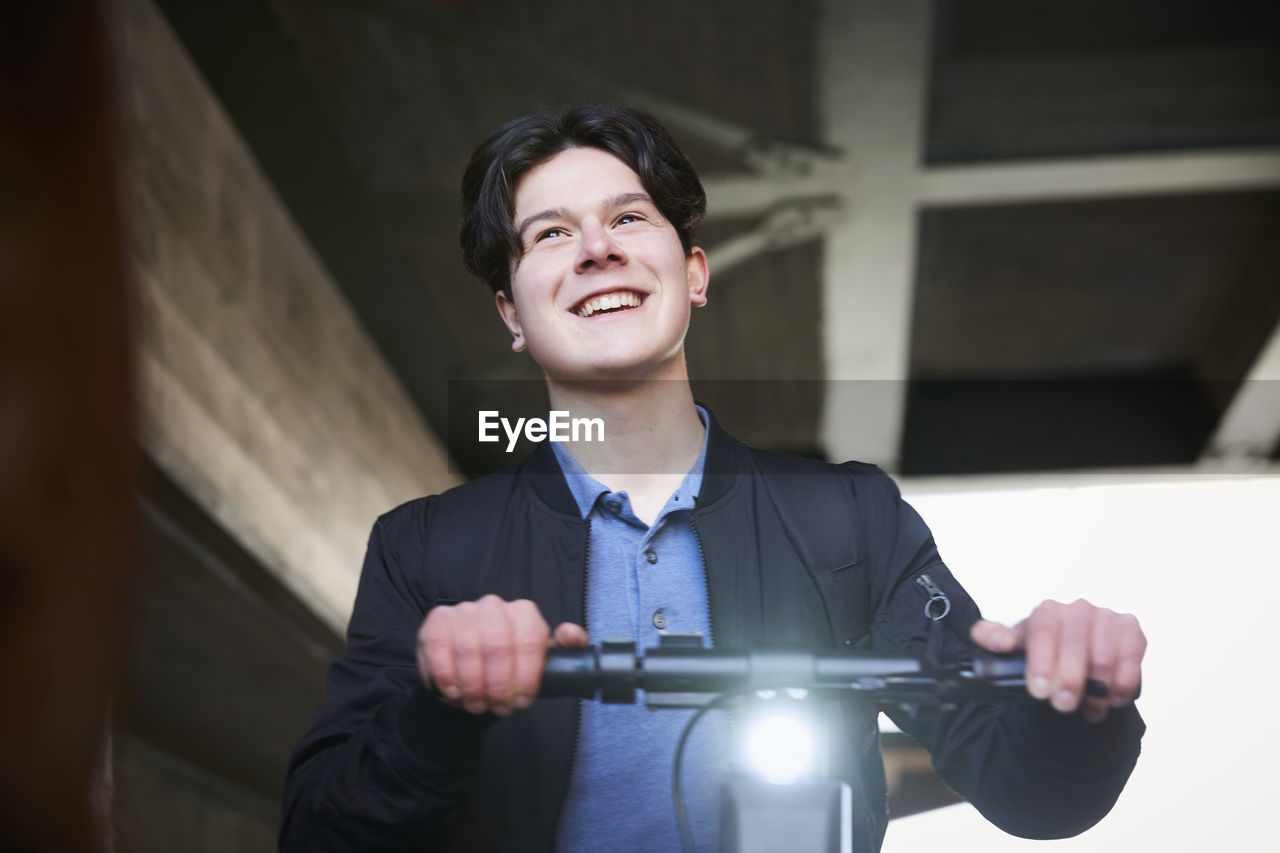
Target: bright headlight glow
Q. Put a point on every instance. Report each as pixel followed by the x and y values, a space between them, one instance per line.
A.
pixel 780 747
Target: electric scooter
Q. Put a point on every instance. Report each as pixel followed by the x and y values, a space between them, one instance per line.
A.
pixel 759 813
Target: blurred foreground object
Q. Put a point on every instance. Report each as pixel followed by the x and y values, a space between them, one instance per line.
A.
pixel 66 448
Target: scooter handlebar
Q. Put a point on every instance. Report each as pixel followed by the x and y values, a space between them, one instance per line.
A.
pixel 679 672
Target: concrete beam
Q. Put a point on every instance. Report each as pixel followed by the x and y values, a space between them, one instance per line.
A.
pixel 874 61
pixel 261 394
pixel 787 225
pixel 1100 177
pixel 1124 175
pixel 729 197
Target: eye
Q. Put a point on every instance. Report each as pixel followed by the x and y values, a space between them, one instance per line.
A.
pixel 627 218
pixel 549 233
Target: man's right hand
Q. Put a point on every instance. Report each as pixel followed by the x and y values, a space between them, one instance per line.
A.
pixel 487 655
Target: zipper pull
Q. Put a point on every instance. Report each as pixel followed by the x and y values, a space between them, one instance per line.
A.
pixel 935 610
pixel 938 605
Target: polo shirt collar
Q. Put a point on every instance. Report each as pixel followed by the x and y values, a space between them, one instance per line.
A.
pixel 586 490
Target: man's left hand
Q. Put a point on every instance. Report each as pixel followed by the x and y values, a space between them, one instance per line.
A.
pixel 1066 644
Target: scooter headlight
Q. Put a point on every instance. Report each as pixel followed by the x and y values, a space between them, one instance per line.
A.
pixel 780 747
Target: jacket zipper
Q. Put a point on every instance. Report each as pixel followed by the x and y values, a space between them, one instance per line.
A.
pixel 577 705
pixel 735 738
pixel 936 609
pixel 706 583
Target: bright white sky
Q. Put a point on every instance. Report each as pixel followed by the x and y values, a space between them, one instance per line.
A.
pixel 1197 562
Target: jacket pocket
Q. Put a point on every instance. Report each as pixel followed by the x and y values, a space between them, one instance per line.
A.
pixel 929 614
pixel 845 586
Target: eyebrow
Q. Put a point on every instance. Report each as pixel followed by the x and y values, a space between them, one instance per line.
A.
pixel 625 198
pixel 549 213
pixel 559 212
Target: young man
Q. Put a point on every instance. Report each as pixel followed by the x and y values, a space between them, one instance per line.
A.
pixel 581 221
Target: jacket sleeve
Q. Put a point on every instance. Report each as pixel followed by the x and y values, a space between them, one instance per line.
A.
pixel 385 766
pixel 1028 769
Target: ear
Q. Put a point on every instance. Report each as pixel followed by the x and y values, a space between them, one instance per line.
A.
pixel 507 310
pixel 699 276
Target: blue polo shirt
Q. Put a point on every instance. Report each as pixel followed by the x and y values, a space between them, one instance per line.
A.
pixel 641 580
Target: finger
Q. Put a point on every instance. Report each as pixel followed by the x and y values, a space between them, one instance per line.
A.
pixel 570 635
pixel 498 644
pixel 993 636
pixel 1040 639
pixel 1131 647
pixel 468 656
pixel 1101 667
pixel 436 664
pixel 1075 629
pixel 530 632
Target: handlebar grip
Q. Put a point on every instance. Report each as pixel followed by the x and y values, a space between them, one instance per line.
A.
pixel 570 673
pixel 1009 670
pixel 610 668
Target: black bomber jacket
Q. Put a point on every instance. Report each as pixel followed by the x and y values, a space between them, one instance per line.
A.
pixel 797 553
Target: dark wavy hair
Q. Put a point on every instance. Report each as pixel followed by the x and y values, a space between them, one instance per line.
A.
pixel 489 241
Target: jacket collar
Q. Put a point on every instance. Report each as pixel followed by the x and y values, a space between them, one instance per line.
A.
pixel 723 463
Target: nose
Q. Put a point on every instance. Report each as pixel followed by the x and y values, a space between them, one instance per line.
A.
pixel 598 248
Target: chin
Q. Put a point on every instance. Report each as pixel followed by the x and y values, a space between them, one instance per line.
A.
pixel 619 371
pixel 630 364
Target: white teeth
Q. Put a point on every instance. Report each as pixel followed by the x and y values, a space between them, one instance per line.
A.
pixel 609 301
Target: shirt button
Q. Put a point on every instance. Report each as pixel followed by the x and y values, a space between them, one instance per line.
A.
pixel 614 507
pixel 651 555
pixel 659 620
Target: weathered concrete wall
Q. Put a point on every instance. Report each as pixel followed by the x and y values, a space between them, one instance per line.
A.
pixel 261 393
pixel 163 803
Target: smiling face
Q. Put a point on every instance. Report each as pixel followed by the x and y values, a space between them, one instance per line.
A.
pixel 603 288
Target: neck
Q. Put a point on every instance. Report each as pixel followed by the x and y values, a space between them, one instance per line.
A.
pixel 650 427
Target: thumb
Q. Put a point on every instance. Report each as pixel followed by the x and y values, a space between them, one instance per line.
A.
pixel 995 637
pixel 570 635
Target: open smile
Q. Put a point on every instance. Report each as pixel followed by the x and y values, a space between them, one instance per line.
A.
pixel 609 303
